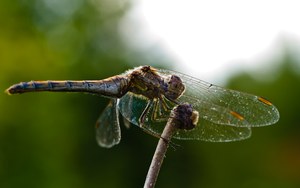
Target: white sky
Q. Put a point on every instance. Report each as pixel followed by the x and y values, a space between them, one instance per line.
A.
pixel 214 38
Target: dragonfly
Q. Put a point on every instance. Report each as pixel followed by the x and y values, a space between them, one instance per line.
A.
pixel 144 96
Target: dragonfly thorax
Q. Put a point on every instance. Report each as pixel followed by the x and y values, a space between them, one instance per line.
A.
pixel 145 81
pixel 148 82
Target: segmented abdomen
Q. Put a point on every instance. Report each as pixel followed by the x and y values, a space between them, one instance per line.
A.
pixel 115 86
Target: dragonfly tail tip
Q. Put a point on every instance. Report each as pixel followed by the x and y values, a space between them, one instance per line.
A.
pixel 8 91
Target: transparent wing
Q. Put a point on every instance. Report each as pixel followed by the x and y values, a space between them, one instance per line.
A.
pixel 108 131
pixel 131 107
pixel 211 132
pixel 225 106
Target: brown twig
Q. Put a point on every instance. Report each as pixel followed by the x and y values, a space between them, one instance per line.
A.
pixel 181 117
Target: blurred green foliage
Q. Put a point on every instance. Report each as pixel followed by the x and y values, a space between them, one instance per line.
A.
pixel 48 139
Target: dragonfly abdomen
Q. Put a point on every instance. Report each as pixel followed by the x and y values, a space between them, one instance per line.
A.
pixel 34 86
pixel 112 87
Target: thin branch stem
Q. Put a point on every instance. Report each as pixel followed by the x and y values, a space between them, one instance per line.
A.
pixel 181 117
pixel 159 155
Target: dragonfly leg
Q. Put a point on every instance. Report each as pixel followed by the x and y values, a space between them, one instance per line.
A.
pixel 145 112
pixel 143 118
pixel 155 111
pixel 152 133
pixel 162 105
pixel 161 110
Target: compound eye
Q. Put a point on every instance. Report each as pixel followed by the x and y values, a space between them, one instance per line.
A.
pixel 175 87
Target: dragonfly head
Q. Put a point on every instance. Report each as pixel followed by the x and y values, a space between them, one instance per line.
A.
pixel 174 87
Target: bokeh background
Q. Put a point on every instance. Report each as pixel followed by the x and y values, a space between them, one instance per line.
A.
pixel 48 139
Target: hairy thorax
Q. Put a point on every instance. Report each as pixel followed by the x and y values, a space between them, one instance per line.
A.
pixel 147 82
